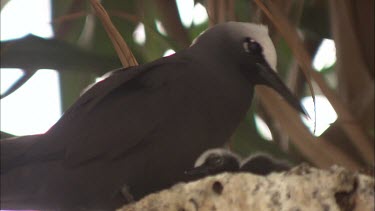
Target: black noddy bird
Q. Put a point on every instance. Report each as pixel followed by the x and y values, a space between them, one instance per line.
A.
pixel 142 127
pixel 215 161
pixel 264 164
pixel 220 160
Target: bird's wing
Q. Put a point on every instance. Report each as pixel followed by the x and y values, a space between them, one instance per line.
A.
pixel 96 92
pixel 11 148
pixel 115 115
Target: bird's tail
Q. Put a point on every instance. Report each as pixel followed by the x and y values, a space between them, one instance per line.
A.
pixel 21 178
pixel 13 149
pixel 22 187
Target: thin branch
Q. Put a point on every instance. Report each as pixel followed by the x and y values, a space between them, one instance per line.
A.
pixel 320 152
pixel 346 119
pixel 124 53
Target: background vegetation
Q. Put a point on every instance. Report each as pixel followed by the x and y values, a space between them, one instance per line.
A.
pixel 81 51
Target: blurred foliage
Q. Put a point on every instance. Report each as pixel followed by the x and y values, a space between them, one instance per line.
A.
pixel 81 51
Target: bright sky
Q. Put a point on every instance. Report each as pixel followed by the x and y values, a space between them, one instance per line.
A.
pixel 36 106
pixel 326 115
pixel 326 55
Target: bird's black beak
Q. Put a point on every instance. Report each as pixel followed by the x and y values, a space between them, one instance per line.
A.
pixel 269 78
pixel 199 170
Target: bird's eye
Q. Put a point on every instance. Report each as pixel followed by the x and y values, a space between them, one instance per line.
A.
pixel 252 46
pixel 215 160
pixel 218 161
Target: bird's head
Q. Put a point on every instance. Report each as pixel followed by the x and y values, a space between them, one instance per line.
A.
pixel 214 161
pixel 249 48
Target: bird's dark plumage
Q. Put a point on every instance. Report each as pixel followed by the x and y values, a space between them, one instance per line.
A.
pixel 264 164
pixel 219 160
pixel 215 161
pixel 143 126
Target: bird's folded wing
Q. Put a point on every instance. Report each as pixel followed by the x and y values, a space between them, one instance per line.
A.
pixel 11 149
pixel 114 115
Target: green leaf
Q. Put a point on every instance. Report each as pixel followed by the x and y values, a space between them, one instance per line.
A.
pixel 33 53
